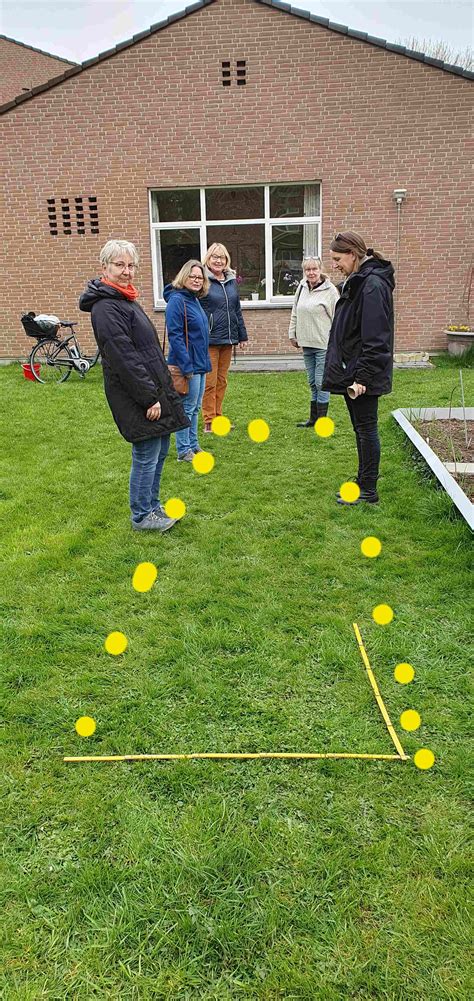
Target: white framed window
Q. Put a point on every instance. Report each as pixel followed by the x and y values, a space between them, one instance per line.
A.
pixel 267 229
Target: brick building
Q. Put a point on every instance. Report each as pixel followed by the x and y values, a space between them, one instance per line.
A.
pixel 250 122
pixel 23 67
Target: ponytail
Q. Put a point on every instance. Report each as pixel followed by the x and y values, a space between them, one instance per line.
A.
pixel 352 243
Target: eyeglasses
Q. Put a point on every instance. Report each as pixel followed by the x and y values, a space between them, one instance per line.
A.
pixel 196 278
pixel 122 266
pixel 214 258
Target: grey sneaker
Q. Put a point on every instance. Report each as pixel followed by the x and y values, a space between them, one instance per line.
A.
pixel 197 449
pixel 186 456
pixel 159 509
pixel 154 521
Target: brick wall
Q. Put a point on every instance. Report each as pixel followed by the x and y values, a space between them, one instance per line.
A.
pixel 23 67
pixel 317 105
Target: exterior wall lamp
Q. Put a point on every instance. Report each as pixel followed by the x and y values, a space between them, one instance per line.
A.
pixel 399 196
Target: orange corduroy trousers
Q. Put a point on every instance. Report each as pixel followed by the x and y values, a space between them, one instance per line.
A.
pixel 216 381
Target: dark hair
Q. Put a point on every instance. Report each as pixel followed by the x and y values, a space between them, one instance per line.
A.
pixel 352 243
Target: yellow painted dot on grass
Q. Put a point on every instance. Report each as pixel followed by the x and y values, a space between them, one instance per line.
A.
pixel 203 462
pixel 382 614
pixel 349 491
pixel 424 758
pixel 144 576
pixel 175 508
pixel 220 426
pixel 116 643
pixel 404 673
pixel 85 726
pixel 258 430
pixel 324 427
pixel 370 546
pixel 410 720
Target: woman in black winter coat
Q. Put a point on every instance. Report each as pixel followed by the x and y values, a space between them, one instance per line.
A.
pixel 359 358
pixel 226 327
pixel 138 387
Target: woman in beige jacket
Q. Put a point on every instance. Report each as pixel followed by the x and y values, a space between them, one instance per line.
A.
pixel 310 323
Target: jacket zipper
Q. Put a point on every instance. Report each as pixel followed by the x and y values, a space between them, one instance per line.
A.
pixel 228 314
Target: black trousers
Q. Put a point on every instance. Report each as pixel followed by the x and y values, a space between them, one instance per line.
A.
pixel 363 415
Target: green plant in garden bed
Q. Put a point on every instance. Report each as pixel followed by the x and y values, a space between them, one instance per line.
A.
pixel 223 881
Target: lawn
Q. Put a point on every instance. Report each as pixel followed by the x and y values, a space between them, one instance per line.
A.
pixel 317 880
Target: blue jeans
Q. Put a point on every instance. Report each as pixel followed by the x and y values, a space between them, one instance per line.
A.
pixel 191 403
pixel 314 359
pixel 148 458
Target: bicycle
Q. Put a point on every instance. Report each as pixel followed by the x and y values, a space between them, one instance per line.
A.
pixel 56 358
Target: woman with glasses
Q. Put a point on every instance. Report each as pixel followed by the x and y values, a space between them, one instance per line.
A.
pixel 310 323
pixel 138 387
pixel 188 334
pixel 226 327
pixel 359 359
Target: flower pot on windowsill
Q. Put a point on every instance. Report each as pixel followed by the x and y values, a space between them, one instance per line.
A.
pixel 255 296
pixel 459 341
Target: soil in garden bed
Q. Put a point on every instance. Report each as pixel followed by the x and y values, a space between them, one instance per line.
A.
pixel 448 439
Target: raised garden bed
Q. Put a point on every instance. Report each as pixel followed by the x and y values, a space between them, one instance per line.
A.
pixel 439 435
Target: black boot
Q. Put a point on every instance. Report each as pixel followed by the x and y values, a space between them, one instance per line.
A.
pixel 322 409
pixel 312 417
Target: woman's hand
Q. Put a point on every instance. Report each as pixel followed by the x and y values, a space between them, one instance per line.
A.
pixel 294 342
pixel 154 412
pixel 357 389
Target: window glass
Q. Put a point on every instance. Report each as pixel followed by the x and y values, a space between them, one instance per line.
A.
pixel 234 203
pixel 289 245
pixel 246 246
pixel 174 206
pixel 294 200
pixel 173 248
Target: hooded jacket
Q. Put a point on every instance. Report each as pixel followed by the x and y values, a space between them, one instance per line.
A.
pixel 222 306
pixel 195 359
pixel 134 368
pixel 360 345
pixel 313 313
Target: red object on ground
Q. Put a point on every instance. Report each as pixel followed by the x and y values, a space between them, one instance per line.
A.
pixel 28 373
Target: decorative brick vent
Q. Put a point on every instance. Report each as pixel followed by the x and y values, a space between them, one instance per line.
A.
pixel 81 212
pixel 240 73
pixel 225 69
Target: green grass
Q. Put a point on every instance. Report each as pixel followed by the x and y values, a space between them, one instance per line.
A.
pixel 327 880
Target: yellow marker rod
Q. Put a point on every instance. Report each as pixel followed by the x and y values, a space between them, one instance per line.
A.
pixel 232 756
pixel 380 702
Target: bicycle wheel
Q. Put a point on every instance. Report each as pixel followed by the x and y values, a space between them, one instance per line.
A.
pixel 54 361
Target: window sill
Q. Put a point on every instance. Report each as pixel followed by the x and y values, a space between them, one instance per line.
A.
pixel 245 303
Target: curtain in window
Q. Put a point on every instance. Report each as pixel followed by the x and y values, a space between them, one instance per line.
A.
pixel 159 261
pixel 311 231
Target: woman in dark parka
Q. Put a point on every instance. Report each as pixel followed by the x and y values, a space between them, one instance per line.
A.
pixel 138 387
pixel 359 358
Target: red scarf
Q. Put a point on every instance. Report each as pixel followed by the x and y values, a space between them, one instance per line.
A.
pixel 129 291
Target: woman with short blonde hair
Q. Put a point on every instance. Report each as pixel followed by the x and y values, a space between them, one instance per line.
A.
pixel 221 303
pixel 184 273
pixel 188 333
pixel 310 323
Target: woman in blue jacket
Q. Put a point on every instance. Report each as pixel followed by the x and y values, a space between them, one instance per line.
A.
pixel 188 334
pixel 226 327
